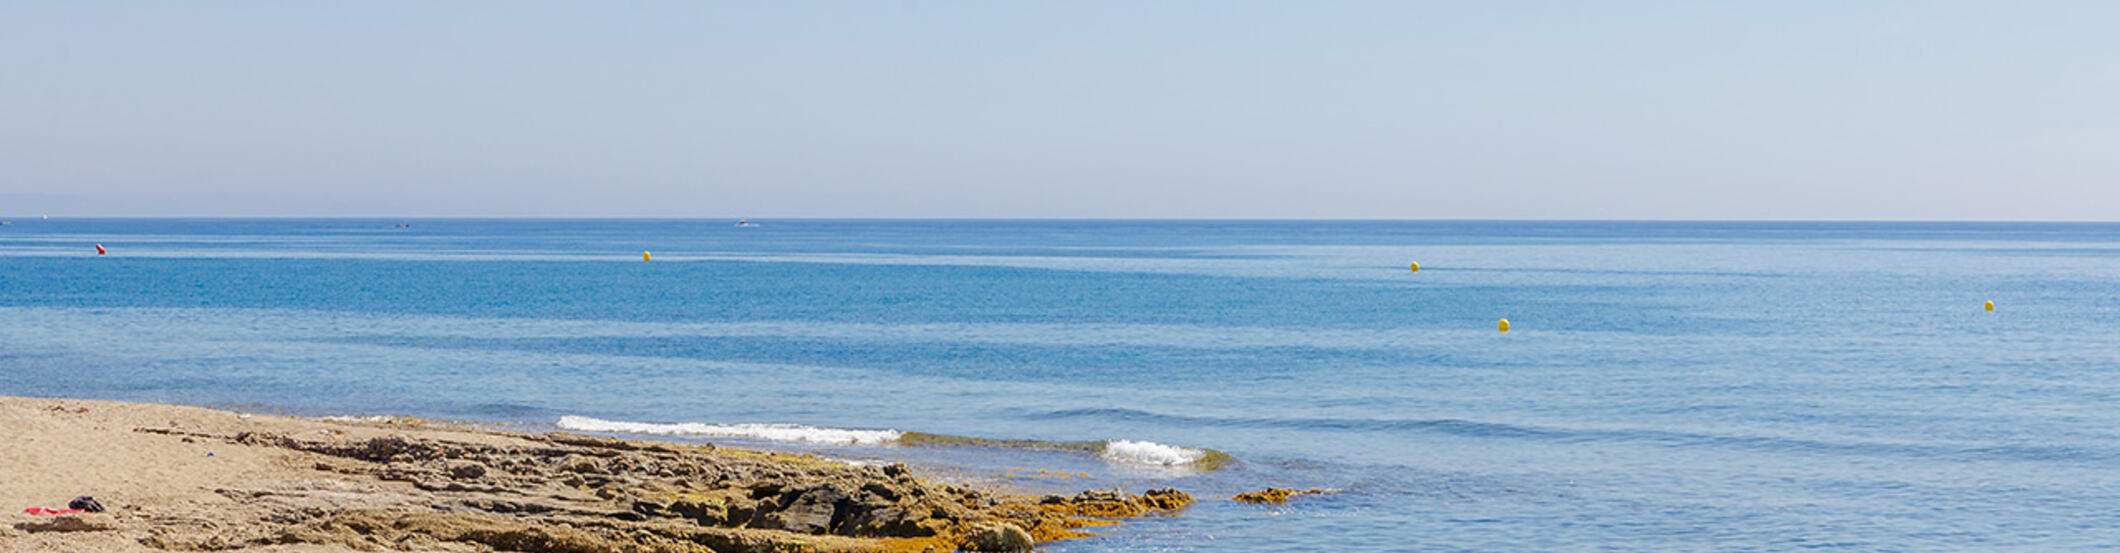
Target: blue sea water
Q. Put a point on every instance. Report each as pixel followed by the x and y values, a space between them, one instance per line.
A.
pixel 1667 386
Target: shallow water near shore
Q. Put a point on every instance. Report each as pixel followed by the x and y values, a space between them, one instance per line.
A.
pixel 1665 387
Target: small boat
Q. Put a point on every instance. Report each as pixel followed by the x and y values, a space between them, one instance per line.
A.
pixel 745 223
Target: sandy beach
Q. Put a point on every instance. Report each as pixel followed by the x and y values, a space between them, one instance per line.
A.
pixel 177 478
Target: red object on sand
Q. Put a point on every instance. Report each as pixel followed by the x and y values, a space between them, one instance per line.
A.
pixel 44 511
pixel 100 250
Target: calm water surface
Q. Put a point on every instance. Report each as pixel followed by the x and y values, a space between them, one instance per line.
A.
pixel 1667 386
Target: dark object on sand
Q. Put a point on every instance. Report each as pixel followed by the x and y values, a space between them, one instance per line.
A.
pixel 85 503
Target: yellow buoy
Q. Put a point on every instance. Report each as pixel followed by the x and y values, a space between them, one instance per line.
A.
pixel 1416 266
pixel 1991 306
pixel 643 256
pixel 1504 325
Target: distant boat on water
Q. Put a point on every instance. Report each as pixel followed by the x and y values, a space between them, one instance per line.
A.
pixel 745 223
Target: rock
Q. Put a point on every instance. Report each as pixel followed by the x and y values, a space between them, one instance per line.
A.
pixel 581 464
pixel 894 522
pixel 882 491
pixel 1115 503
pixel 1101 495
pixel 71 523
pixel 1166 499
pixel 369 529
pixel 591 441
pixel 597 495
pixel 754 511
pixel 811 512
pixel 466 470
pixel 1274 496
pixel 706 511
pixel 997 536
pixel 1099 503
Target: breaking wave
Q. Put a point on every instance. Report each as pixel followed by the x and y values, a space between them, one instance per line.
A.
pixel 1151 453
pixel 1114 451
pixel 768 432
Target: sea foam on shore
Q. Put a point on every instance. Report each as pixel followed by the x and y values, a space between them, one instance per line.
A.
pixel 1132 452
pixel 1151 453
pixel 768 432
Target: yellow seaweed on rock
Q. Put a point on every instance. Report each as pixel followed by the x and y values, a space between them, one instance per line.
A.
pixel 1275 496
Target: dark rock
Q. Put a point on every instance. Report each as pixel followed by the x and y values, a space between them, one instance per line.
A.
pixel 466 470
pixel 812 512
pixel 743 512
pixel 881 490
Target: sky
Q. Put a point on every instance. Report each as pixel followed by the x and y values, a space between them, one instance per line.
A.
pixel 1162 109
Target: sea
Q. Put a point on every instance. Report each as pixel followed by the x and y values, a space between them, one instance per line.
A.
pixel 1664 386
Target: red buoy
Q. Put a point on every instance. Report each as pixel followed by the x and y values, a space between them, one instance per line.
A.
pixel 100 250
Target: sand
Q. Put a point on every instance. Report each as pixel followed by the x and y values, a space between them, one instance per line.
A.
pixel 187 478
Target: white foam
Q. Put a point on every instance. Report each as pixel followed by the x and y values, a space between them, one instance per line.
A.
pixel 379 419
pixel 1150 453
pixel 769 432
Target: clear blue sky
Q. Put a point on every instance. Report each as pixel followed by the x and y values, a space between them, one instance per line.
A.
pixel 1399 109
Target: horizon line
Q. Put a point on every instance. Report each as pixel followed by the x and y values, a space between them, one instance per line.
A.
pixel 1039 219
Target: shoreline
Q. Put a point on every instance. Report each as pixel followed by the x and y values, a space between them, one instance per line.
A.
pixel 182 478
pixel 1142 453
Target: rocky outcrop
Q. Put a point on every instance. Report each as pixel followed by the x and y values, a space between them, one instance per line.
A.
pixel 1275 496
pixel 1116 503
pixel 579 494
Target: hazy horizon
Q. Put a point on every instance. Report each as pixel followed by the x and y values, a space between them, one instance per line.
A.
pixel 11 218
pixel 1181 110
